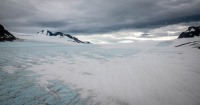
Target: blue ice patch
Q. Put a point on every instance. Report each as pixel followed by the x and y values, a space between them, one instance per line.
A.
pixel 164 43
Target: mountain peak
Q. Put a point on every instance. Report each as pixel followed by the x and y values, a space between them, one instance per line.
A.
pixel 61 35
pixel 192 31
pixel 45 32
pixel 5 35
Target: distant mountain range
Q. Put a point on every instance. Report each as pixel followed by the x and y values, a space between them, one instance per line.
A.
pixel 5 35
pixel 62 35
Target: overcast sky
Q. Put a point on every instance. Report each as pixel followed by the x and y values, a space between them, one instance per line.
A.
pixel 97 16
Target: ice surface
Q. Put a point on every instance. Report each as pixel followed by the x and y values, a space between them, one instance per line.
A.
pixel 21 89
pixel 140 73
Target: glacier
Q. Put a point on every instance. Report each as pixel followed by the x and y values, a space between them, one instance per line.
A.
pixel 140 73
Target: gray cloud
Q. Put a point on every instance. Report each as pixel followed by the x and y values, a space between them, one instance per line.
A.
pixel 52 24
pixel 95 16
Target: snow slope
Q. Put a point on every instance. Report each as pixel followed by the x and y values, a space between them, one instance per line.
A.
pixel 48 36
pixel 44 38
pixel 142 73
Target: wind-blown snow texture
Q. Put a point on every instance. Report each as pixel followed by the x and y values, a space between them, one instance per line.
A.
pixel 140 73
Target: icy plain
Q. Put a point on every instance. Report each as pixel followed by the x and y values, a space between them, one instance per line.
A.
pixel 139 73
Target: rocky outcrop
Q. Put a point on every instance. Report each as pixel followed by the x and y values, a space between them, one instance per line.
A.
pixel 5 35
pixel 62 35
pixel 191 32
pixel 46 32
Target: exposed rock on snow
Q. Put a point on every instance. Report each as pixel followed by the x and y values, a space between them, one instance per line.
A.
pixel 5 35
pixel 46 32
pixel 191 32
pixel 73 39
pixel 189 43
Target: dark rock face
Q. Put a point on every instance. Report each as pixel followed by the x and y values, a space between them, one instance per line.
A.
pixel 76 39
pixel 47 33
pixel 63 35
pixel 191 32
pixel 5 35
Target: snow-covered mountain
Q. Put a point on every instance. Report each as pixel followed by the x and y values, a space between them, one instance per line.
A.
pixel 45 32
pixel 61 35
pixel 191 32
pixel 5 35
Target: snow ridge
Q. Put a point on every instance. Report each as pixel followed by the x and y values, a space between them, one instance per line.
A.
pixel 61 35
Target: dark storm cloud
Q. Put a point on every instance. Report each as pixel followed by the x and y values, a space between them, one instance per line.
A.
pixel 51 24
pixel 163 22
pixel 177 2
pixel 95 16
